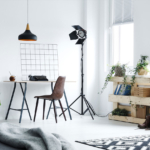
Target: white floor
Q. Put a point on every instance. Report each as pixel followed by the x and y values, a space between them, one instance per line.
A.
pixel 84 128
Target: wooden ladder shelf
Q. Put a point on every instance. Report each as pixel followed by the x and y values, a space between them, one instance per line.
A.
pixel 133 100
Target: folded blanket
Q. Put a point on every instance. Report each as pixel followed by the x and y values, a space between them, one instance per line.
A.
pixel 31 139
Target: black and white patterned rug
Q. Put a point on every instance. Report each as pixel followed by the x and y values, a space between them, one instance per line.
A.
pixel 125 143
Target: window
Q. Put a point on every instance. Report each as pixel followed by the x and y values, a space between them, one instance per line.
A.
pixel 122 31
pixel 123 44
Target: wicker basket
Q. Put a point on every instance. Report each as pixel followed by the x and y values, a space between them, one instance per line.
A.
pixel 142 92
pixel 119 71
pixel 142 72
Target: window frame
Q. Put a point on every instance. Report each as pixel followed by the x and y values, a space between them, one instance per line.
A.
pixel 111 50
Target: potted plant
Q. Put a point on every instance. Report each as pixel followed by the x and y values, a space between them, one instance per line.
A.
pixel 142 65
pixel 120 112
pixel 141 68
pixel 118 70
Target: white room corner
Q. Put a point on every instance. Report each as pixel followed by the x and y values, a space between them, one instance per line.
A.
pixel 96 49
pixel 75 74
pixel 105 58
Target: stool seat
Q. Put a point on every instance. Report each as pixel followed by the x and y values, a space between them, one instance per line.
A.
pixel 46 97
pixel 49 97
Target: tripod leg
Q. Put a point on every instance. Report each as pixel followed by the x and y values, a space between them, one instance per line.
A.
pixel 71 104
pixel 88 108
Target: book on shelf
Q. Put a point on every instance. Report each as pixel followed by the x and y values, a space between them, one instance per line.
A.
pixel 123 89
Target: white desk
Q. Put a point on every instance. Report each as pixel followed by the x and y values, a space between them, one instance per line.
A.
pixel 34 81
pixel 24 97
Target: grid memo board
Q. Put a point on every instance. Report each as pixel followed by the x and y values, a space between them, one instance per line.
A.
pixel 39 59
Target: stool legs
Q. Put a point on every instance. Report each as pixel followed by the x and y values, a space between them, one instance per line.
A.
pixel 49 109
pixel 37 102
pixel 54 107
pixel 55 110
pixel 62 110
pixel 44 103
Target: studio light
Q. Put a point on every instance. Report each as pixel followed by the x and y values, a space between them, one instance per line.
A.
pixel 80 35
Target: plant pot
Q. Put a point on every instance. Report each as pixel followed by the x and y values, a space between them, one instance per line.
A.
pixel 142 72
pixel 12 78
pixel 119 71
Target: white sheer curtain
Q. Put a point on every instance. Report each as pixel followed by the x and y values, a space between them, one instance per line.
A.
pixel 122 11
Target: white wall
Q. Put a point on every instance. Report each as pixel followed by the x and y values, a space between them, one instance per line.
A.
pixel 141 29
pixel 93 52
pixel 104 105
pixel 51 21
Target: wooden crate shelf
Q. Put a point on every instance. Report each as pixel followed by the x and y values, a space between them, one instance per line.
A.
pixel 133 100
pixel 126 119
pixel 127 99
pixel 137 80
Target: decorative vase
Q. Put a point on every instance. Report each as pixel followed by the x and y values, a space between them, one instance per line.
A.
pixel 142 72
pixel 12 78
pixel 119 71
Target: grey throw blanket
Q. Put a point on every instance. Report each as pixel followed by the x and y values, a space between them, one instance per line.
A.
pixel 31 139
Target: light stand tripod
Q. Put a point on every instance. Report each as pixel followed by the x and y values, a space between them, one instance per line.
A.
pixel 82 95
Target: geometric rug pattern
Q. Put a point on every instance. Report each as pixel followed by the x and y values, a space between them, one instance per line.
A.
pixel 141 142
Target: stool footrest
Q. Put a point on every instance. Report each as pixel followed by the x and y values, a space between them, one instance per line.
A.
pixel 17 109
pixel 59 107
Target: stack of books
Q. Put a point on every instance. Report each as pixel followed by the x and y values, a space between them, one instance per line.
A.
pixel 123 89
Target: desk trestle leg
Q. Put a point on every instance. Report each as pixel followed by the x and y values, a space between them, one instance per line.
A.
pixel 24 101
pixel 24 97
pixel 11 101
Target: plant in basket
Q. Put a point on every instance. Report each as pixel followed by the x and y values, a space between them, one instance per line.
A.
pixel 141 68
pixel 119 70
